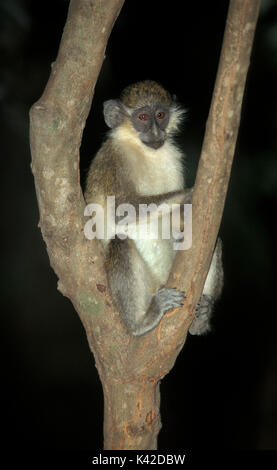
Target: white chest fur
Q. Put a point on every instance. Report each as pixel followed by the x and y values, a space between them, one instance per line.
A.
pixel 160 171
pixel 153 171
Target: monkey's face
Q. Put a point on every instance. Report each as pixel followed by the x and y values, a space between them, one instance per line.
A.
pixel 151 122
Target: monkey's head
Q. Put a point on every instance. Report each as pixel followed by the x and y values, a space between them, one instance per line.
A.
pixel 149 108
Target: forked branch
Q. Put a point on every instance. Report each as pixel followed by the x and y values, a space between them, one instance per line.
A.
pixel 130 368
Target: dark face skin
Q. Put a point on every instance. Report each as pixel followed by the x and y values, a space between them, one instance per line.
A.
pixel 150 123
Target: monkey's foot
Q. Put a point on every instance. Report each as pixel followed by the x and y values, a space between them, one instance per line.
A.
pixel 163 300
pixel 168 299
pixel 203 311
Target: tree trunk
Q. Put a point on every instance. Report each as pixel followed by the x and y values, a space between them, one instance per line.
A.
pixel 130 367
pixel 132 414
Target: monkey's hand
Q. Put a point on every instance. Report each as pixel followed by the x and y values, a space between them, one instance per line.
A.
pixel 188 193
pixel 168 299
pixel 164 300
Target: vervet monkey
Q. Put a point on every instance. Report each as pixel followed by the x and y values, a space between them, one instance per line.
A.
pixel 140 164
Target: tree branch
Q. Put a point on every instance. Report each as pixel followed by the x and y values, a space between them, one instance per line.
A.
pixel 130 368
pixel 190 268
pixel 58 120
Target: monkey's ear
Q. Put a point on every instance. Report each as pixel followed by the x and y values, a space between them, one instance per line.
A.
pixel 113 113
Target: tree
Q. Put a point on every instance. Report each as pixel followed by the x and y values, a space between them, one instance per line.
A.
pixel 130 368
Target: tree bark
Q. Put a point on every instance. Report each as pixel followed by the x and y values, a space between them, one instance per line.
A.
pixel 130 368
pixel 132 414
pixel 190 269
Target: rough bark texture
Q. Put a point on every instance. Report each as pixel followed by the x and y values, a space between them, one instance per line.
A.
pixel 130 368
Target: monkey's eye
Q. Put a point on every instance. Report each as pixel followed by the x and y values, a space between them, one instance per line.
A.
pixel 143 117
pixel 160 115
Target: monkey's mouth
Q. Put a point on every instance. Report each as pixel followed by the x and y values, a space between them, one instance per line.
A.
pixel 155 144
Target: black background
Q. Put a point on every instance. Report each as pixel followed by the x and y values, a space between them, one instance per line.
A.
pixel 222 391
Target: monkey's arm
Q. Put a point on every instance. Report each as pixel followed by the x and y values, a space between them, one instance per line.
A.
pixel 183 196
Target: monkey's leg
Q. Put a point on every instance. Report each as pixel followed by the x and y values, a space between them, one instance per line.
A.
pixel 203 313
pixel 134 290
pixel 211 292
